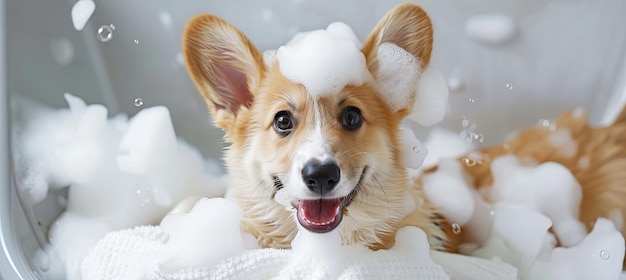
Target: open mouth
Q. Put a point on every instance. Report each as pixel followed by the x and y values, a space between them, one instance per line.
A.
pixel 320 215
pixel 323 215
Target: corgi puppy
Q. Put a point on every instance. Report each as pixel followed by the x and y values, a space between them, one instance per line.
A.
pixel 337 156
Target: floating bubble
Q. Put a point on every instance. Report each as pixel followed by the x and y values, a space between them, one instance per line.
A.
pixel 492 213
pixel 105 33
pixel 136 42
pixel 436 105
pixel 509 86
pixel 138 102
pixel 469 162
pixel 456 228
pixel 605 255
pixel 471 100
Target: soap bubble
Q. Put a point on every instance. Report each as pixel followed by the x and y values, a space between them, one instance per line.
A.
pixel 136 42
pixel 472 100
pixel 456 228
pixel 138 102
pixel 469 162
pixel 605 255
pixel 105 33
pixel 509 86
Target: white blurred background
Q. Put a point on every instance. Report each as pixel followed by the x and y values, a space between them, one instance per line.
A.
pixel 563 54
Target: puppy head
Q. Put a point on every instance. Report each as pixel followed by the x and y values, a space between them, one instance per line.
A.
pixel 336 154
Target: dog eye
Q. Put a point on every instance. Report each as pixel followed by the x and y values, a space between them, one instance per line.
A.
pixel 283 123
pixel 351 118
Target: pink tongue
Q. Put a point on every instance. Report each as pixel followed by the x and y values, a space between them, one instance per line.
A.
pixel 320 215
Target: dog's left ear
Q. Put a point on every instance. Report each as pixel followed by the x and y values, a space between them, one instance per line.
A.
pixel 407 26
pixel 225 66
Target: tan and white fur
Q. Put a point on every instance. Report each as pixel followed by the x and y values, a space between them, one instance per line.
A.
pixel 245 96
pixel 244 93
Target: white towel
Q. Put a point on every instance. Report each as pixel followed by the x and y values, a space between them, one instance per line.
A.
pixel 143 253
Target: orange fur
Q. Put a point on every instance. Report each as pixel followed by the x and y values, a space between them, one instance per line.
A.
pixel 243 95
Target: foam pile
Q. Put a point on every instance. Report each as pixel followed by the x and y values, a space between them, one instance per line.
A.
pixel 333 60
pixel 120 173
pixel 509 220
pixel 206 243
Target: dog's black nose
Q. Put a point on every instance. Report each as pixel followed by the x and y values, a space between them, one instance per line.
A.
pixel 320 178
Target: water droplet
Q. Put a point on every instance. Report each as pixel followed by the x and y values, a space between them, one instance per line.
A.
pixel 469 162
pixel 478 137
pixel 492 213
pixel 472 100
pixel 436 105
pixel 605 255
pixel 105 33
pixel 509 86
pixel 416 149
pixel 138 102
pixel 465 123
pixel 138 192
pixel 136 42
pixel 456 228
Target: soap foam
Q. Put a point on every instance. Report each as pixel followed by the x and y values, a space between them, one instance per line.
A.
pixel 78 147
pixel 324 61
pixel 397 76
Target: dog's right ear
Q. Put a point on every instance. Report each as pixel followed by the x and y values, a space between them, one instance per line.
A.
pixel 225 66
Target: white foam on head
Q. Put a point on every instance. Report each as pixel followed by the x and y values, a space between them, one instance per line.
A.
pixel 81 12
pixel 397 76
pixel 324 61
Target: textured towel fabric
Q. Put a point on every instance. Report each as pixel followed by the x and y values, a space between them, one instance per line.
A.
pixel 143 253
